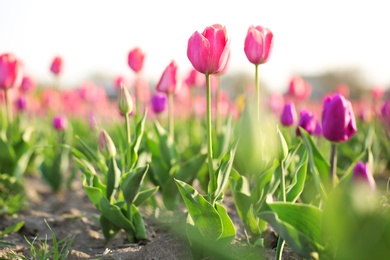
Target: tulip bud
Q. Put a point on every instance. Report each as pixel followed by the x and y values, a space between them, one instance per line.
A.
pixel 125 103
pixel 60 122
pixel 362 174
pixel 169 81
pixel 135 59
pixel 28 84
pixel 159 102
pixel 106 145
pixel 338 119
pixel 307 121
pixel 56 65
pixel 289 114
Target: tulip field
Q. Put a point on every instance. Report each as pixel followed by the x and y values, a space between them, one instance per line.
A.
pixel 183 170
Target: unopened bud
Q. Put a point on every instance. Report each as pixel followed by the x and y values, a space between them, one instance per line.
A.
pixel 125 103
pixel 106 145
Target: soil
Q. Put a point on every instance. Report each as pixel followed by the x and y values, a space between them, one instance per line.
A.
pixel 71 213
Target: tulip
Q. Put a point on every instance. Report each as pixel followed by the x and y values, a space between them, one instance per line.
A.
pixel 56 65
pixel 338 119
pixel 9 71
pixel 289 114
pixel 135 59
pixel 343 89
pixel 362 174
pixel 194 78
pixel 106 145
pixel 125 103
pixel 60 122
pixel 21 103
pixel 118 81
pixel 28 84
pixel 169 81
pixel 307 121
pixel 208 52
pixel 159 102
pixel 258 44
pixel 298 88
pixel 318 129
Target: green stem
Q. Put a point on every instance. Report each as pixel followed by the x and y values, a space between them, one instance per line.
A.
pixel 257 82
pixel 170 116
pixel 128 137
pixel 333 163
pixel 217 106
pixel 283 181
pixel 8 111
pixel 209 133
pixel 279 248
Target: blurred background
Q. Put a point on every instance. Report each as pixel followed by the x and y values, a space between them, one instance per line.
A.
pixel 326 42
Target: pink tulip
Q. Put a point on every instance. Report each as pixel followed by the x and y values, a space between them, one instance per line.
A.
pixel 169 81
pixel 135 59
pixel 28 84
pixel 258 44
pixel 118 81
pixel 194 78
pixel 208 52
pixel 56 65
pixel 377 92
pixel 299 88
pixel 10 69
pixel 343 89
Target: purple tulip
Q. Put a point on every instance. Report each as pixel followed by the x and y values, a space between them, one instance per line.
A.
pixel 60 123
pixel 307 121
pixel 159 102
pixel 318 130
pixel 338 119
pixel 289 114
pixel 362 174
pixel 21 103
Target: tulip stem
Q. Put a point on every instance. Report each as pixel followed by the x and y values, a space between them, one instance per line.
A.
pixel 333 163
pixel 217 107
pixel 128 137
pixel 7 107
pixel 209 133
pixel 170 116
pixel 257 83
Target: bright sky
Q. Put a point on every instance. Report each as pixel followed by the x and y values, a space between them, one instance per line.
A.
pixel 96 35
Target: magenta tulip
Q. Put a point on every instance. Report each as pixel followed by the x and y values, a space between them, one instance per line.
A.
pixel 289 114
pixel 258 44
pixel 9 71
pixel 60 122
pixel 307 121
pixel 56 65
pixel 194 78
pixel 159 102
pixel 169 81
pixel 135 59
pixel 208 52
pixel 362 174
pixel 338 119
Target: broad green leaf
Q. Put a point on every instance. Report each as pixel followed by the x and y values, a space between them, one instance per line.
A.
pixel 113 177
pixel 186 172
pixel 298 183
pixel 131 183
pixel 138 222
pixel 319 167
pixel 298 224
pixel 143 195
pixel 139 132
pixel 205 217
pixel 112 212
pixel 229 231
pixel 283 144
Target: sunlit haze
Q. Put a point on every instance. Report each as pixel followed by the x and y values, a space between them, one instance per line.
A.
pixel 95 36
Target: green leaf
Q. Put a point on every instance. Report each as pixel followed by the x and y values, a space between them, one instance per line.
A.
pixel 229 231
pixel 283 145
pixel 221 175
pixel 298 183
pixel 205 217
pixel 319 167
pixel 298 224
pixel 143 195
pixel 12 229
pixel 138 222
pixel 113 177
pixel 139 132
pixel 131 183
